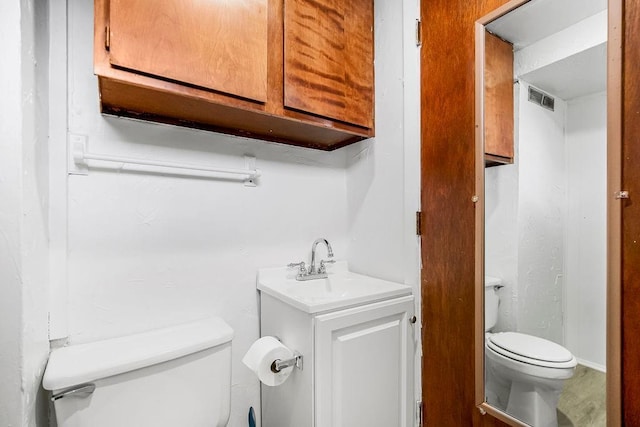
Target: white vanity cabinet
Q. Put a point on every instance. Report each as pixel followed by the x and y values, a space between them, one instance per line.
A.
pixel 364 365
pixel 358 360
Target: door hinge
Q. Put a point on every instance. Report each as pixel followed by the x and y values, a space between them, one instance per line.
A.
pixel 107 38
pixel 419 413
pixel 418 32
pixel 419 223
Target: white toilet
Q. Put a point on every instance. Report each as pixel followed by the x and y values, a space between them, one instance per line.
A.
pixel 524 374
pixel 178 376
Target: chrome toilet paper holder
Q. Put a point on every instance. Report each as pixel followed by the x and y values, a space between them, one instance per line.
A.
pixel 278 364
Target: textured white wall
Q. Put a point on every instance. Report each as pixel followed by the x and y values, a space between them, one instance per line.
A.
pixel 585 278
pixel 35 242
pixel 375 178
pixel 23 222
pixel 10 217
pixel 541 218
pixel 501 238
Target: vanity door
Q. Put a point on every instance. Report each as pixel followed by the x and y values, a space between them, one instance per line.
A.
pixel 364 366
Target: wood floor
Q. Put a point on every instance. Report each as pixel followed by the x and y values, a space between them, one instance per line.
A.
pixel 583 400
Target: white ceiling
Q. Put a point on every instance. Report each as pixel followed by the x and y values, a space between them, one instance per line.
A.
pixel 577 75
pixel 538 19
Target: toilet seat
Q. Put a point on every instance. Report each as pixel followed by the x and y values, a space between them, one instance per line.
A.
pixel 531 350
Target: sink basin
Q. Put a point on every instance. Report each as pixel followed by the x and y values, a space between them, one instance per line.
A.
pixel 341 289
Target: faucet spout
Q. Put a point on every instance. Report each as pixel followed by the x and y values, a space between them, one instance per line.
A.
pixel 312 267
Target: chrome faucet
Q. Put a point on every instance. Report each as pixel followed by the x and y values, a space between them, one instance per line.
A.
pixel 312 267
pixel 313 272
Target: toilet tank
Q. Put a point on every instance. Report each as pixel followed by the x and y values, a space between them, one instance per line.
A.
pixel 491 301
pixel 177 376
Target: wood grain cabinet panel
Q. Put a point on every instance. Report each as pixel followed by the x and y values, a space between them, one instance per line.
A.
pixel 219 45
pixel 498 100
pixel 219 65
pixel 328 59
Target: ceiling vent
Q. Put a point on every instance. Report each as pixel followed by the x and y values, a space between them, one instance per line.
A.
pixel 541 98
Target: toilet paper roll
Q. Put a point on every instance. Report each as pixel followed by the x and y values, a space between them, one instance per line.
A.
pixel 261 355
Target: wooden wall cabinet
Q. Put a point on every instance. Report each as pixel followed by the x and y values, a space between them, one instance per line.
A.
pixel 291 71
pixel 498 101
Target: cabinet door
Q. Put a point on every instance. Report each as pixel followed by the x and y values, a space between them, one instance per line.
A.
pixel 364 366
pixel 219 45
pixel 328 59
pixel 498 100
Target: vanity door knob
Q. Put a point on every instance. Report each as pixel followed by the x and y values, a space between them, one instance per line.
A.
pixel 413 319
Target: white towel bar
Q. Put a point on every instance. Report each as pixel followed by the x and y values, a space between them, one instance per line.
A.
pixel 80 157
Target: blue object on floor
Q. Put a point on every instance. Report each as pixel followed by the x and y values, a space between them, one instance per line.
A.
pixel 252 417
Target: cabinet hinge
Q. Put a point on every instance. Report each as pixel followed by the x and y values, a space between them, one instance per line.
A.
pixel 107 38
pixel 418 32
pixel 419 223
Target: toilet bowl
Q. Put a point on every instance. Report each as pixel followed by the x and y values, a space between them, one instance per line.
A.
pixel 524 374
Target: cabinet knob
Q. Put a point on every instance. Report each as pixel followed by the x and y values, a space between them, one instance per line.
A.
pixel 413 319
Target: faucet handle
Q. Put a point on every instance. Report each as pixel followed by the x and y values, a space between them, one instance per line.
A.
pixel 323 265
pixel 301 266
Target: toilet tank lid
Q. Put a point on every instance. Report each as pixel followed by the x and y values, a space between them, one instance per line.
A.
pixel 77 364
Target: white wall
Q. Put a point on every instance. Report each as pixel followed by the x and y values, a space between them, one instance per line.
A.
pixel 383 174
pixel 23 221
pixel 35 252
pixel 541 219
pixel 10 216
pixel 585 278
pixel 525 220
pixel 501 238
pixel 150 250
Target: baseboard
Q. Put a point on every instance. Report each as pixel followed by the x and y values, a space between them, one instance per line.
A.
pixel 592 365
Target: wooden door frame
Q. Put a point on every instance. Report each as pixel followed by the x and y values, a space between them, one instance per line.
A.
pixel 615 48
pixel 480 24
pixel 616 114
